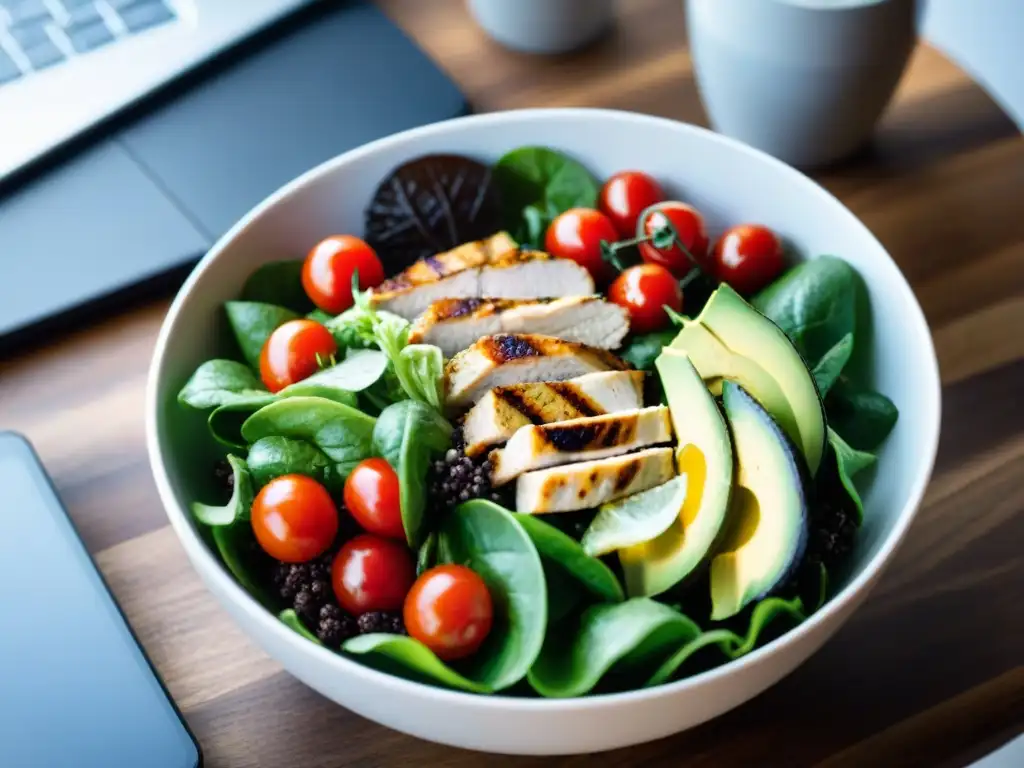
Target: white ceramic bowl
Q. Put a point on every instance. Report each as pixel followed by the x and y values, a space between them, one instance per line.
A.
pixel 726 180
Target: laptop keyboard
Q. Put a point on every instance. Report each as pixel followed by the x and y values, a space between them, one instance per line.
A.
pixel 37 34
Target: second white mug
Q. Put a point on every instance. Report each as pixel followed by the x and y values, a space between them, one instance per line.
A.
pixel 804 80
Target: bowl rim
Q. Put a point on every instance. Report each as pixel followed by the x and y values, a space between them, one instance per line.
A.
pixel 195 548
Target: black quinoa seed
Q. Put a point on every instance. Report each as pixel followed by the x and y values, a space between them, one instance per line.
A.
pixel 335 626
pixel 455 478
pixel 381 621
pixel 306 587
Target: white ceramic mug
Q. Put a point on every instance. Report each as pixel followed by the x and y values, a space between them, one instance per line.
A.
pixel 804 80
pixel 543 26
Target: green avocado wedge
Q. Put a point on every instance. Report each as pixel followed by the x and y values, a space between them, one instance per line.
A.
pixel 730 340
pixel 704 456
pixel 767 523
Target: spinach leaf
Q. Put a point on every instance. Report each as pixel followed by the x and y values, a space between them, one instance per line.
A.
pixel 231 532
pixel 625 635
pixel 220 382
pixel 321 389
pixel 546 182
pixel 814 303
pixel 731 645
pixel 360 369
pixel 488 539
pixel 408 434
pixel 765 612
pixel 723 638
pixel 564 593
pixel 643 350
pixel 237 507
pixel 340 431
pixel 292 620
pixel 427 557
pixel 271 457
pixel 849 462
pixel 385 392
pixel 409 658
pixel 635 519
pixel 863 417
pixel 567 554
pixel 225 421
pixel 235 544
pixel 280 283
pixel 831 365
pixel 252 323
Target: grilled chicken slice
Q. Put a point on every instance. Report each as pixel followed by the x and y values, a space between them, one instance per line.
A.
pixel 454 324
pixel 503 410
pixel 591 483
pixel 592 437
pixel 512 358
pixel 492 267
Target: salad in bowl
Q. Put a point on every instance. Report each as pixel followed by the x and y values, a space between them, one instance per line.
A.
pixel 537 433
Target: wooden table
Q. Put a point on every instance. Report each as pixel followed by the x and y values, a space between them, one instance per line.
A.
pixel 929 672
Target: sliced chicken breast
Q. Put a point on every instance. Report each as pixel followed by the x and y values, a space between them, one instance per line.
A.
pixel 454 324
pixel 492 267
pixel 503 410
pixel 590 483
pixel 592 437
pixel 511 358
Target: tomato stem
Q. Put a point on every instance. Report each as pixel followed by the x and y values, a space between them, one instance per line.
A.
pixel 610 254
pixel 665 236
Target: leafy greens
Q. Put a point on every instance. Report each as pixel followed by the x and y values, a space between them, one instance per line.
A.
pixel 408 434
pixel 536 185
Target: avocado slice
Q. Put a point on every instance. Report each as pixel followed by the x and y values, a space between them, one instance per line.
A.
pixel 704 455
pixel 732 340
pixel 766 530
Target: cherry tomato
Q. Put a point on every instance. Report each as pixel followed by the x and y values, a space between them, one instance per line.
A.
pixel 643 291
pixel 327 271
pixel 748 257
pixel 625 195
pixel 689 225
pixel 577 235
pixel 371 495
pixel 290 353
pixel 449 610
pixel 371 573
pixel 294 518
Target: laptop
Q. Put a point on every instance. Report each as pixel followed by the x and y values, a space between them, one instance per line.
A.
pixel 133 133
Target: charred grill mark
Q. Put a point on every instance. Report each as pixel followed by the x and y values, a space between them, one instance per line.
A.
pixel 627 472
pixel 572 395
pixel 447 263
pixel 592 477
pixel 506 347
pixel 435 265
pixel 603 434
pixel 581 494
pixel 551 486
pixel 449 309
pixel 571 439
pixel 515 400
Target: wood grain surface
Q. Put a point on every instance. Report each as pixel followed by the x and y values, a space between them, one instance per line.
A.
pixel 930 671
